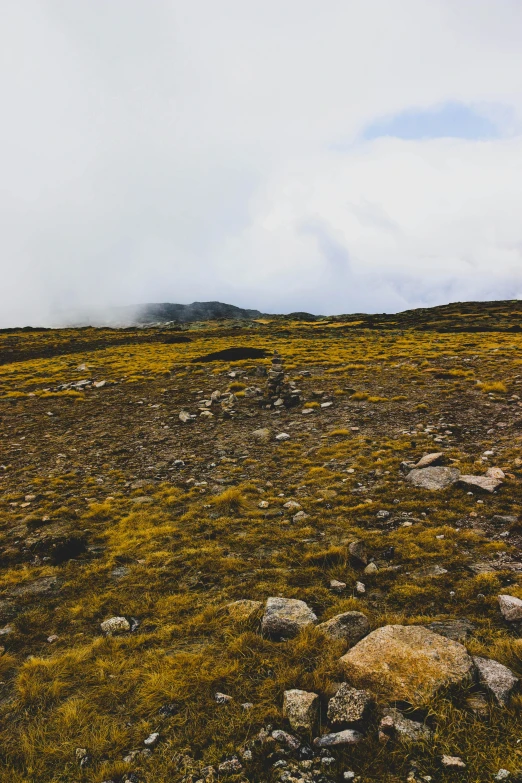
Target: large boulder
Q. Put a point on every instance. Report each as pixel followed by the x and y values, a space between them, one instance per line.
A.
pixel 433 478
pixel 406 663
pixel 285 617
pixel 349 627
pixel 301 708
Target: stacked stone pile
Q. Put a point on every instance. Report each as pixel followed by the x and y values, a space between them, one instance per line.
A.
pixel 280 390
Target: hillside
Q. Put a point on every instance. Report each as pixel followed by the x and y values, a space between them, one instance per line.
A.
pixel 241 566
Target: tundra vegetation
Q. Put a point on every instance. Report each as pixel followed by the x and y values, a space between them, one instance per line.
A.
pixel 112 506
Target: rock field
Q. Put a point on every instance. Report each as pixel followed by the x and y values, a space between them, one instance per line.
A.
pixel 301 567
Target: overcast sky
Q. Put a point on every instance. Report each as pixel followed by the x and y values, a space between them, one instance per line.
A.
pixel 331 156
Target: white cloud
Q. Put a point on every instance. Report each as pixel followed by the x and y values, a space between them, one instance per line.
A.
pixel 192 150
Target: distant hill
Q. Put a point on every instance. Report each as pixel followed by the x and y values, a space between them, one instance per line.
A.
pixel 159 314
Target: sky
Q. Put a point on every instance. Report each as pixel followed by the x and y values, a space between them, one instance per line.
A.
pixel 335 157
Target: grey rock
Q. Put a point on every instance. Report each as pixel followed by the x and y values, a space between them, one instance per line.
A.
pixel 301 709
pixel 358 550
pixel 433 478
pixel 497 678
pixel 395 725
pixel 337 586
pixel 349 705
pixel 502 774
pixel 482 483
pixel 346 737
pixel 284 738
pixel 458 629
pixel 285 617
pixel 262 435
pixel 510 607
pixel 230 767
pixel 349 627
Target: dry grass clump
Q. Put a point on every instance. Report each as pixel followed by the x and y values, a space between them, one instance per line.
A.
pixel 231 501
pixel 493 387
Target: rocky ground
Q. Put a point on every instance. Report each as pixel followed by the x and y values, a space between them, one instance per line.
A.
pixel 300 567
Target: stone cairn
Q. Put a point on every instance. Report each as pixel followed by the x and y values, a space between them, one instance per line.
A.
pixel 280 390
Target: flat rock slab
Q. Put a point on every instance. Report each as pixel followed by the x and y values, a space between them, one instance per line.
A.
pixel 433 478
pixel 285 617
pixel 458 629
pixel 406 663
pixel 349 627
pixel 395 725
pixel 346 737
pixel 481 483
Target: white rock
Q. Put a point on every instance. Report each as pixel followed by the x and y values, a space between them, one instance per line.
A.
pixel 115 625
pixel 282 436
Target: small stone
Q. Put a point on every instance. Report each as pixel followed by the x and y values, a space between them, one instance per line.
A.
pixel 283 436
pixel 247 705
pixel 284 738
pixel 360 588
pixel 326 404
pixel 346 737
pixel 510 607
pixel 185 417
pixel 292 505
pixel 222 698
pixel 429 459
pixel 502 774
pixel 349 705
pixel 452 762
pixel 349 627
pixel 262 435
pixel 115 625
pixel 263 504
pixel 284 617
pixel 336 586
pixel 151 740
pixel 53 638
pixel 301 709
pixel 371 568
pixel 230 767
pixel 243 610
pixel 80 753
pixel 358 550
pixel 497 678
pixel 394 724
pixel 348 775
